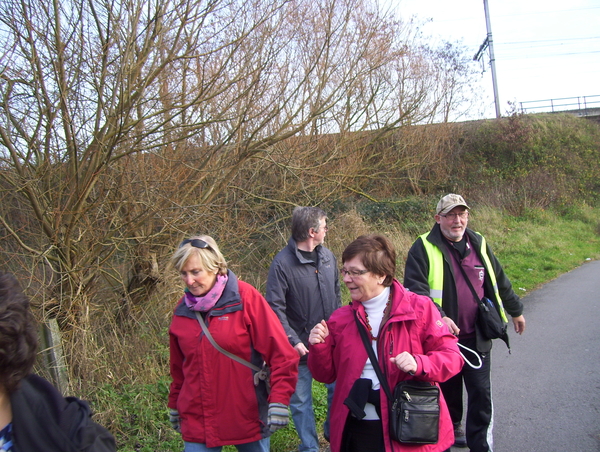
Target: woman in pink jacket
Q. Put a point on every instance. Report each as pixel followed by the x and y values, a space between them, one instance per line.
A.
pixel 408 337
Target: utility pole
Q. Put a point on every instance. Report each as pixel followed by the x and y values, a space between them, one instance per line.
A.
pixel 489 43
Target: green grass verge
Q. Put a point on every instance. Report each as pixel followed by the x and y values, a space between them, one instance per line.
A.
pixel 542 246
pixel 141 424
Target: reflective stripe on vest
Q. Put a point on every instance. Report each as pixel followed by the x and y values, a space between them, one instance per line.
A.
pixel 436 272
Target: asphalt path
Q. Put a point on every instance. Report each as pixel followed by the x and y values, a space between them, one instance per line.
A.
pixel 547 392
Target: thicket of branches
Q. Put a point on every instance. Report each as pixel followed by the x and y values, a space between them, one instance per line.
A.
pixel 127 124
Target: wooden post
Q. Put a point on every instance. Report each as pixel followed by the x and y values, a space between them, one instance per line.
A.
pixel 52 351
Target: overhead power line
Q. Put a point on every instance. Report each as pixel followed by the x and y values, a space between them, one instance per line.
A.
pixel 549 40
pixel 552 55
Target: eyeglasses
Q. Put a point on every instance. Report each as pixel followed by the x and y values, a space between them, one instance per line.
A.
pixel 353 273
pixel 196 243
pixel 452 215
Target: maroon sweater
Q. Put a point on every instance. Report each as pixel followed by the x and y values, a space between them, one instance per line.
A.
pixel 473 267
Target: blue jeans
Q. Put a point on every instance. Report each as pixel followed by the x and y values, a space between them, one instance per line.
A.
pixel 301 405
pixel 257 446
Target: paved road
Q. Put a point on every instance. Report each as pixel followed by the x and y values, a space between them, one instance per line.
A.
pixel 547 392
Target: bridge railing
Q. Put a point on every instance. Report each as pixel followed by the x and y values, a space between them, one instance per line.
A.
pixel 584 106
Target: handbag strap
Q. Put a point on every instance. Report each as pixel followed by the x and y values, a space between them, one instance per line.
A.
pixel 468 281
pixel 372 357
pixel 222 350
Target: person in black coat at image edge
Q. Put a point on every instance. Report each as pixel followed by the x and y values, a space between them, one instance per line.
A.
pixel 34 416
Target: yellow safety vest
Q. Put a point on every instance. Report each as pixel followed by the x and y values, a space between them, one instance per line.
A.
pixel 436 272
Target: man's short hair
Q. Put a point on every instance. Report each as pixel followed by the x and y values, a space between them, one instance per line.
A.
pixel 303 219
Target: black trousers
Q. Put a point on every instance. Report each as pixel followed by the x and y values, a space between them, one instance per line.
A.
pixel 362 436
pixel 478 384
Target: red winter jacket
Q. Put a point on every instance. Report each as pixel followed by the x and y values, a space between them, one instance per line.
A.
pixel 216 398
pixel 415 326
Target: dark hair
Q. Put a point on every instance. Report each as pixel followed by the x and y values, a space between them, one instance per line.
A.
pixel 18 333
pixel 377 253
pixel 303 219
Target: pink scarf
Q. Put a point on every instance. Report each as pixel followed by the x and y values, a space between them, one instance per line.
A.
pixel 209 299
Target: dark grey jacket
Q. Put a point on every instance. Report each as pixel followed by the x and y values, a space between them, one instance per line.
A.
pixel 301 294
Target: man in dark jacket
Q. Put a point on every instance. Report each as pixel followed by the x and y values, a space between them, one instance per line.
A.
pixel 438 264
pixel 303 288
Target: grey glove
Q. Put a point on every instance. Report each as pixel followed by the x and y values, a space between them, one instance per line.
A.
pixel 277 416
pixel 174 419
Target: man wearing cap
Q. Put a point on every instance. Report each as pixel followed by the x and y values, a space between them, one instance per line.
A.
pixel 433 268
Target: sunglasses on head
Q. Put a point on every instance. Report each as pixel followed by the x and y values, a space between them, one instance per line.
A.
pixel 196 243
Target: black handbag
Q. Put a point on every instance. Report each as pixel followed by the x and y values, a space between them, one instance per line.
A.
pixel 490 324
pixel 414 407
pixel 415 414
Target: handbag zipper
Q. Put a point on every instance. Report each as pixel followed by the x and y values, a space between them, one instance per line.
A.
pixel 406 413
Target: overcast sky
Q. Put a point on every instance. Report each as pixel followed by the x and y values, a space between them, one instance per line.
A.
pixel 546 49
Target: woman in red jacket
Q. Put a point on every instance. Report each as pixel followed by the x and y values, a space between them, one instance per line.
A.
pixel 213 399
pixel 408 337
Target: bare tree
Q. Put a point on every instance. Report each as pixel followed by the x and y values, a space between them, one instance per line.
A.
pixel 124 122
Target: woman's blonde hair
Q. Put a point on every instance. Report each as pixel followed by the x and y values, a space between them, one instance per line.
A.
pixel 210 256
